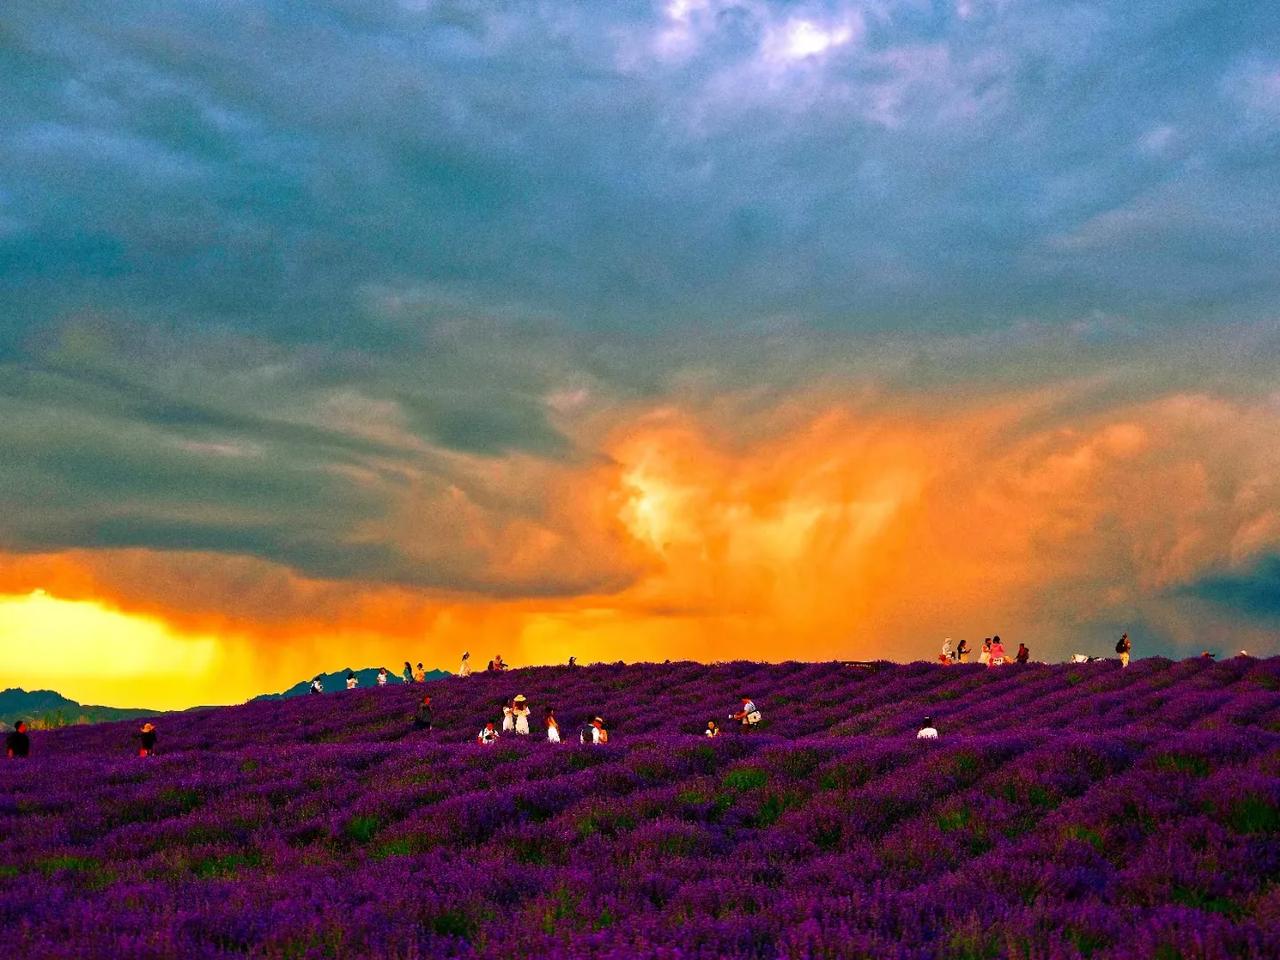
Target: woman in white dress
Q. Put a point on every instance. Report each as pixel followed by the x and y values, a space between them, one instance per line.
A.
pixel 465 669
pixel 520 710
pixel 508 718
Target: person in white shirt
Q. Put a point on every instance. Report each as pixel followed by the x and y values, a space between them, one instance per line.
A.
pixel 352 682
pixel 749 715
pixel 553 726
pixel 598 733
pixel 465 669
pixel 508 718
pixel 713 729
pixel 928 731
pixel 382 677
pixel 520 711
pixel 488 734
pixel 947 654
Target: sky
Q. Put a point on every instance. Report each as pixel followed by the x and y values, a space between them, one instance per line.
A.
pixel 344 332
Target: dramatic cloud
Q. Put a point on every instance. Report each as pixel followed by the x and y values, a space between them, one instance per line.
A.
pixel 688 328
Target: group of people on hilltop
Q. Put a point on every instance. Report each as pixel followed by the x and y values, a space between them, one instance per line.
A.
pixel 992 653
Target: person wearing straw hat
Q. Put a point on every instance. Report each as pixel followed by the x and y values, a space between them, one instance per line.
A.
pixel 598 733
pixel 147 740
pixel 520 711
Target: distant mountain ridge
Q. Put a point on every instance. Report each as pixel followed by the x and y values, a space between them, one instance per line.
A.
pixel 44 709
pixel 333 682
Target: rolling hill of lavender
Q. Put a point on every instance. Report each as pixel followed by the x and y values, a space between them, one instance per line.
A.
pixel 1066 811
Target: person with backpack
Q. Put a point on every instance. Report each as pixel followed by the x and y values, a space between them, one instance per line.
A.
pixel 317 684
pixel 553 726
pixel 1023 654
pixel 749 716
pixel 17 745
pixel 928 731
pixel 1123 646
pixel 147 740
pixel 487 734
pixel 422 718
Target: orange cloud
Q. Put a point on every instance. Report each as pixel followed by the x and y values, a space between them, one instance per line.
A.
pixel 870 528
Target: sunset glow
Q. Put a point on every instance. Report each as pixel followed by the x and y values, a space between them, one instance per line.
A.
pixel 692 329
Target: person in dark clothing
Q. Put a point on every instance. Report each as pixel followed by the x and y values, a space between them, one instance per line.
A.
pixel 317 685
pixel 18 744
pixel 962 651
pixel 422 718
pixel 408 672
pixel 1023 654
pixel 147 740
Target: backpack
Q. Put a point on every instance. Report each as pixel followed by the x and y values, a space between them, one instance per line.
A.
pixel 1119 646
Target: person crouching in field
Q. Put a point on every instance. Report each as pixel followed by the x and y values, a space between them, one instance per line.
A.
pixel 147 740
pixel 749 715
pixel 928 731
pixel 713 729
pixel 422 718
pixel 488 734
pixel 553 726
pixel 17 745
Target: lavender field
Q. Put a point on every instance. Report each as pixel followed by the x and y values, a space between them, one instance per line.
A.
pixel 1067 811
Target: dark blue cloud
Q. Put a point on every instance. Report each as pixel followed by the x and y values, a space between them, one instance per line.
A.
pixel 1253 593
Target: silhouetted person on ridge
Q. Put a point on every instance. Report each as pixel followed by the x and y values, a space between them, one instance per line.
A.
pixel 1123 646
pixel 17 745
pixel 1023 654
pixel 317 684
pixel 465 669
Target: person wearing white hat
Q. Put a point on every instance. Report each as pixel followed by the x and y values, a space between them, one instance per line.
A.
pixel 520 711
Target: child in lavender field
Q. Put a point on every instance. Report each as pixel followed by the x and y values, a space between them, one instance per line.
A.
pixel 488 734
pixel 508 717
pixel 553 726
pixel 147 740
